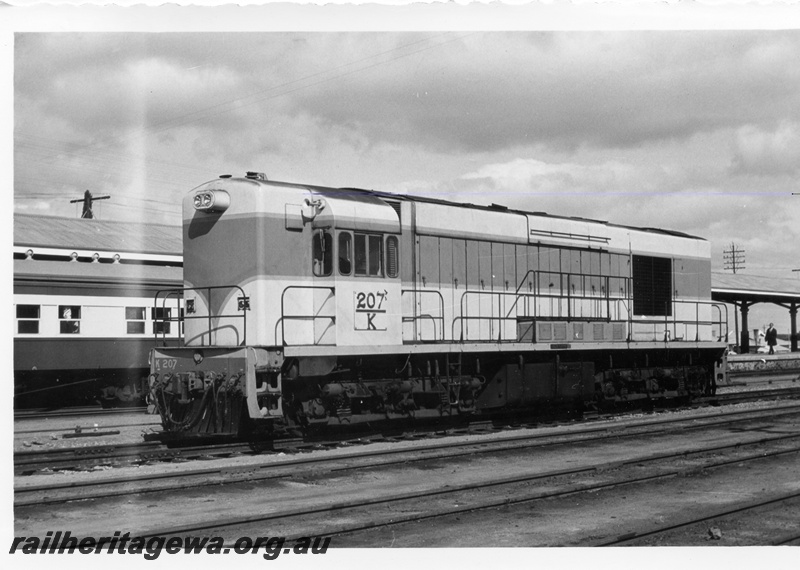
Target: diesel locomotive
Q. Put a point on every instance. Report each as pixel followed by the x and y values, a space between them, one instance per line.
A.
pixel 312 308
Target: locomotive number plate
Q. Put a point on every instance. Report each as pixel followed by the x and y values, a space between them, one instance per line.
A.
pixel 166 363
pixel 370 310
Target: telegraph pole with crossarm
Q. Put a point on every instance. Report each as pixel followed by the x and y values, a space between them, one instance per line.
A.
pixel 87 204
pixel 734 260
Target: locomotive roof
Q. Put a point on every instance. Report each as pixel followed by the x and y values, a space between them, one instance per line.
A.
pixel 92 234
pixel 358 193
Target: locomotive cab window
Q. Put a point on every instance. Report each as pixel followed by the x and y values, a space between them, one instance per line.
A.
pixel 28 319
pixel 69 319
pixel 652 286
pixel 322 246
pixel 368 255
pixel 345 253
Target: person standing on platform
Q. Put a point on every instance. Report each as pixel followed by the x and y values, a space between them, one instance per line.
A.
pixel 771 337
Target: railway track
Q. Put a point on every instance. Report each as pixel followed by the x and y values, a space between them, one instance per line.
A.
pixel 346 517
pixel 750 396
pixel 87 458
pixel 442 448
pixel 78 411
pixel 637 538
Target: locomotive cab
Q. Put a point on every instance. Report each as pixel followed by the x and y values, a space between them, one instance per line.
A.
pixel 270 266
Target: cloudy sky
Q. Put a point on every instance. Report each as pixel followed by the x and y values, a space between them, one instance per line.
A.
pixel 697 131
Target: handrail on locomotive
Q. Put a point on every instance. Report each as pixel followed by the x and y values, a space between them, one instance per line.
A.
pixel 423 316
pixel 617 309
pixel 243 305
pixel 304 317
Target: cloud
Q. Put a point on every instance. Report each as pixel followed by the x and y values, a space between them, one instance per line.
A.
pixel 649 128
pixel 767 152
pixel 493 91
pixel 39 207
pixel 630 192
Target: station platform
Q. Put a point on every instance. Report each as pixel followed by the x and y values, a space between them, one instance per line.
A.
pixel 786 362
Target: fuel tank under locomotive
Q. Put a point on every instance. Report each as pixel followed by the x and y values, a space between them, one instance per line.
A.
pixel 246 390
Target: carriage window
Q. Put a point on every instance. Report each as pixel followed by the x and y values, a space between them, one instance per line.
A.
pixel 69 317
pixel 135 317
pixel 369 255
pixel 28 319
pixel 392 261
pixel 161 319
pixel 323 253
pixel 345 253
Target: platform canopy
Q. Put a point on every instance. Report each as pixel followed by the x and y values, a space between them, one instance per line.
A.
pixel 746 290
pixel 730 288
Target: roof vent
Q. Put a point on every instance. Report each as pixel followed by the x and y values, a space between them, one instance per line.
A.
pixel 224 175
pixel 256 176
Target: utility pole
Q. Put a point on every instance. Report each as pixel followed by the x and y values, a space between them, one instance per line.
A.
pixel 734 258
pixel 734 261
pixel 87 204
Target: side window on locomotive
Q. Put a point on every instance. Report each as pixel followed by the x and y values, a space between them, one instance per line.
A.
pixel 322 245
pixel 369 255
pixel 345 253
pixel 392 257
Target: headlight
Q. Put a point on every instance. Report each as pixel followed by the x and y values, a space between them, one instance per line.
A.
pixel 212 201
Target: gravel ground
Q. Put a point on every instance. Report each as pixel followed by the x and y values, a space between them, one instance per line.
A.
pixel 306 488
pixel 133 434
pixel 592 518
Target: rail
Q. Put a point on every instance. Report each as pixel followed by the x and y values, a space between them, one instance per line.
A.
pixel 305 317
pixel 243 305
